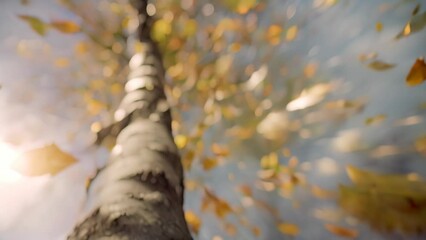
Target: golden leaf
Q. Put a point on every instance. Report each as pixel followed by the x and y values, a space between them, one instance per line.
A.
pixel 288 228
pixel 220 207
pixel 310 70
pixel 62 62
pixel 65 26
pixel 379 26
pixel 48 159
pixel 416 23
pixel 341 231
pixel 220 150
pixel 193 221
pixel 386 201
pixel 420 145
pixel 375 119
pixel 321 193
pixel 269 161
pixel 181 141
pixel 380 65
pixel 291 33
pixel 35 23
pixel 417 74
pixel 209 163
pixel 273 34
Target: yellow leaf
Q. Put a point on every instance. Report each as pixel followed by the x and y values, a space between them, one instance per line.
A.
pixel 379 26
pixel 65 26
pixel 386 201
pixel 416 23
pixel 193 221
pixel 209 163
pixel 269 161
pixel 291 33
pixel 375 119
pixel 116 88
pixel 341 231
pixel 420 145
pixel 62 62
pixel 35 23
pixel 380 65
pixel 190 28
pixel 81 48
pixel 273 35
pixel 95 106
pixel 417 74
pixel 181 141
pixel 219 150
pixel 161 29
pixel 321 193
pixel 48 159
pixel 288 228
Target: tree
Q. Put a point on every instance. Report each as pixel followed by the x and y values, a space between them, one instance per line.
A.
pixel 267 118
pixel 141 188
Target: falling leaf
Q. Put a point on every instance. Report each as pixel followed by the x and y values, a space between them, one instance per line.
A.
pixel 209 163
pixel 416 24
pixel 420 145
pixel 81 48
pixel 181 141
pixel 388 202
pixel 35 23
pixel 161 29
pixel 322 193
pixel 341 231
pixel 193 221
pixel 416 10
pixel 417 74
pixel 273 34
pixel 230 229
pixel 375 119
pixel 380 65
pixel 65 26
pixel 62 62
pixel 310 70
pixel 240 6
pixel 369 56
pixel 288 228
pixel 220 150
pixel 291 33
pixel 210 201
pixel 269 161
pixel 48 159
pixel 379 26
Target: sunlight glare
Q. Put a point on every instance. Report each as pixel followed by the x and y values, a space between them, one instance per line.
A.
pixel 8 155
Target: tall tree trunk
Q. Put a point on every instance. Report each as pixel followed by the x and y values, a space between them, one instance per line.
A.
pixel 140 191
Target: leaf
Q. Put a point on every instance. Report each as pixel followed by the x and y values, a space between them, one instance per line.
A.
pixel 379 26
pixel 193 221
pixel 375 119
pixel 273 34
pixel 420 145
pixel 388 202
pixel 288 228
pixel 291 33
pixel 62 62
pixel 380 65
pixel 417 74
pixel 65 26
pixel 240 6
pixel 35 23
pixel 416 10
pixel 220 150
pixel 416 24
pixel 209 163
pixel 210 201
pixel 48 159
pixel 341 231
pixel 181 141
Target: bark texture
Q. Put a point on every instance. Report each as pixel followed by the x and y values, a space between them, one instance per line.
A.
pixel 139 194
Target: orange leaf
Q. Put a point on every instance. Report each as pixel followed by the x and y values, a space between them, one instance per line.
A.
pixel 65 26
pixel 288 228
pixel 219 150
pixel 193 221
pixel 209 163
pixel 417 74
pixel 341 231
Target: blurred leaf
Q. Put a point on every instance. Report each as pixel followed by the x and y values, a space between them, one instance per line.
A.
pixel 420 145
pixel 240 6
pixel 369 56
pixel 388 202
pixel 35 23
pixel 417 74
pixel 193 221
pixel 375 119
pixel 220 150
pixel 341 231
pixel 380 66
pixel 209 163
pixel 322 193
pixel 210 201
pixel 48 159
pixel 416 24
pixel 273 34
pixel 181 141
pixel 161 29
pixel 65 26
pixel 416 10
pixel 62 62
pixel 81 48
pixel 291 33
pixel 379 26
pixel 288 228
